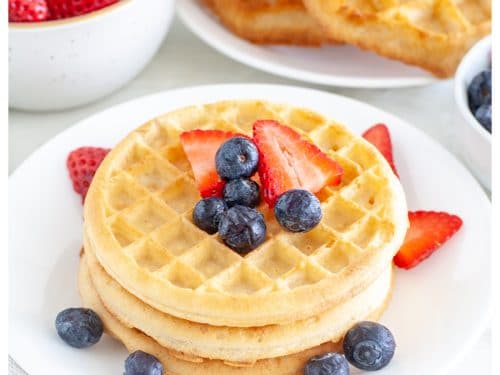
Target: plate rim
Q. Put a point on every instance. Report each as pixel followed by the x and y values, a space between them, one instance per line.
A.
pixel 480 325
pixel 186 8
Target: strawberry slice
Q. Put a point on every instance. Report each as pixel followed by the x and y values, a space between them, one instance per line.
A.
pixel 428 231
pixel 287 161
pixel 70 8
pixel 200 147
pixel 379 136
pixel 82 164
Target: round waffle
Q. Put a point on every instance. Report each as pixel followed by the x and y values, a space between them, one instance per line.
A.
pixel 138 220
pixel 176 363
pixel 432 34
pixel 243 345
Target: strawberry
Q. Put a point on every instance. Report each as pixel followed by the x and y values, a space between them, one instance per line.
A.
pixel 428 231
pixel 287 161
pixel 71 8
pixel 200 147
pixel 82 164
pixel 28 10
pixel 379 136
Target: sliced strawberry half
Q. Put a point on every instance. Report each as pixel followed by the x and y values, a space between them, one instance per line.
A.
pixel 287 161
pixel 428 231
pixel 200 147
pixel 82 164
pixel 379 136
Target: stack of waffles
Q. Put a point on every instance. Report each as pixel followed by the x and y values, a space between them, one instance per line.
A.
pixel 431 34
pixel 163 286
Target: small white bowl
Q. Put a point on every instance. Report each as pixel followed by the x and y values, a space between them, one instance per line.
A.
pixel 56 65
pixel 475 140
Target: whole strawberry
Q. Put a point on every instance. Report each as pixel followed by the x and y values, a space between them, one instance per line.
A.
pixel 28 10
pixel 82 164
pixel 71 8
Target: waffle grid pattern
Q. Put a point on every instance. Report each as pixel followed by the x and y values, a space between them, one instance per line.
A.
pixel 432 34
pixel 151 194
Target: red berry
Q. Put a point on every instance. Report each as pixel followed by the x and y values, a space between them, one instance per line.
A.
pixel 200 147
pixel 379 136
pixel 82 164
pixel 28 10
pixel 428 231
pixel 71 8
pixel 287 161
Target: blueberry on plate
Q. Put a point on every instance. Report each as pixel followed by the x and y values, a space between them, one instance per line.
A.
pixel 242 228
pixel 141 363
pixel 207 214
pixel 483 115
pixel 327 364
pixel 241 191
pixel 298 210
pixel 237 157
pixel 79 327
pixel 479 90
pixel 369 346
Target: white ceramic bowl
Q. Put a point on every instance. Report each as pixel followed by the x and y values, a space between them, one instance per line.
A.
pixel 475 140
pixel 60 64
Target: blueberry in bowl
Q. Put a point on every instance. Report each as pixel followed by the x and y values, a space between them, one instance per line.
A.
pixel 479 98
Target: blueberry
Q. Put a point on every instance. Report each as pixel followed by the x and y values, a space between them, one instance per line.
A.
pixel 207 213
pixel 237 157
pixel 327 364
pixel 140 363
pixel 483 115
pixel 242 228
pixel 479 90
pixel 79 327
pixel 298 210
pixel 243 192
pixel 369 346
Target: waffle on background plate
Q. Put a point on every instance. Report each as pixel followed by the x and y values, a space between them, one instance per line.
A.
pixel 167 287
pixel 269 22
pixel 431 34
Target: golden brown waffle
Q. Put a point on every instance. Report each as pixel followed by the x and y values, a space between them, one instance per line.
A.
pixel 269 21
pixel 176 363
pixel 238 345
pixel 138 220
pixel 432 34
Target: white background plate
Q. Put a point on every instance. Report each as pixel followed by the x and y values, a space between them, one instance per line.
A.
pixel 438 309
pixel 341 65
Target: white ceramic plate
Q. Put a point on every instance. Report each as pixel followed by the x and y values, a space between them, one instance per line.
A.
pixel 438 309
pixel 345 66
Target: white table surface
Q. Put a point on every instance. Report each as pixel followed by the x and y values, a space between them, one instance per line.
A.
pixel 184 60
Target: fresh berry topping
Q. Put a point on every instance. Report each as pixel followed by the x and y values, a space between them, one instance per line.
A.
pixel 79 327
pixel 379 136
pixel 141 363
pixel 207 214
pixel 289 162
pixel 242 229
pixel 243 192
pixel 28 10
pixel 479 90
pixel 72 8
pixel 483 115
pixel 82 164
pixel 428 231
pixel 327 364
pixel 200 147
pixel 298 210
pixel 369 346
pixel 236 158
